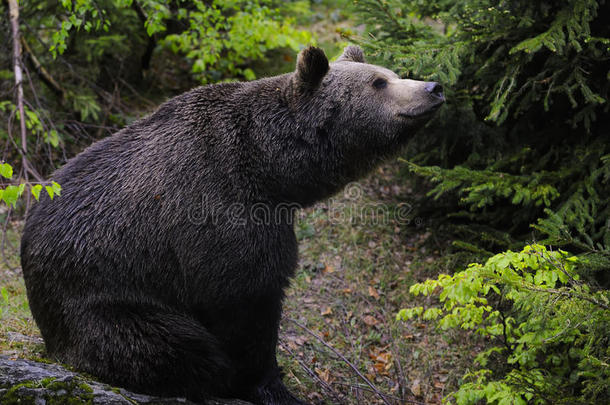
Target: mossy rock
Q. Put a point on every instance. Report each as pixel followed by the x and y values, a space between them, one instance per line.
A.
pixel 32 382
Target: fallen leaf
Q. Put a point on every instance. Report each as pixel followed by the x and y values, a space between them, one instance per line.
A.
pixel 380 368
pixel 416 388
pixel 373 292
pixel 324 374
pixel 347 290
pixel 327 311
pixel 385 357
pixel 370 320
pixel 328 269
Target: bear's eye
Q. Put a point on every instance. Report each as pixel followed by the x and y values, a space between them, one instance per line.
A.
pixel 380 83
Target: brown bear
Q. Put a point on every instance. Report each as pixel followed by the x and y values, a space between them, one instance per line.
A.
pixel 162 266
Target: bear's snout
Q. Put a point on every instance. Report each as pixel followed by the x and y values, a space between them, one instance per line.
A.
pixel 435 90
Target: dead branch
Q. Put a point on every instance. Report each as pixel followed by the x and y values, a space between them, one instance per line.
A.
pixel 312 374
pixel 349 363
pixel 40 70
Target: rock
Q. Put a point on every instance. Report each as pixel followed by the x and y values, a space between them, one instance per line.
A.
pixel 31 382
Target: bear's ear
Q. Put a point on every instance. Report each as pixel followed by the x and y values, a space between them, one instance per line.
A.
pixel 312 65
pixel 352 53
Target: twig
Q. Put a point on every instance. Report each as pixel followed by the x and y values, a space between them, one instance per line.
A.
pixel 342 357
pixel 504 333
pixel 365 388
pixel 311 373
pixel 44 75
pixel 28 169
pixel 568 294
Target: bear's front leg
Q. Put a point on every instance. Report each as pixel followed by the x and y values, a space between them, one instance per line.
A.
pixel 248 333
pixel 275 392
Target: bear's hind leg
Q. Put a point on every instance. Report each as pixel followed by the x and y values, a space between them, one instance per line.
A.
pixel 148 349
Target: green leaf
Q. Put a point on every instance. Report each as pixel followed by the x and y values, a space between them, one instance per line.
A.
pixel 52 137
pixel 36 191
pixel 56 188
pixel 50 191
pixel 11 195
pixel 6 170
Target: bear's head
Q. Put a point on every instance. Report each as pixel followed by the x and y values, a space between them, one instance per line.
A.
pixel 348 117
pixel 371 105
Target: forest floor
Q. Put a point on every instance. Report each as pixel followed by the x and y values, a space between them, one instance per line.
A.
pixel 339 341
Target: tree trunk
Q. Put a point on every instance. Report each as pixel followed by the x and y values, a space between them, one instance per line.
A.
pixel 13 10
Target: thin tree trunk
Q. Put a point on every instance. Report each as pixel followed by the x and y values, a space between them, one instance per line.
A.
pixel 13 8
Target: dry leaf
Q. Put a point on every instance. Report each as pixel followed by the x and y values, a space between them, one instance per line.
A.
pixel 328 269
pixel 373 292
pixel 416 388
pixel 370 320
pixel 324 374
pixel 327 311
pixel 347 290
pixel 380 368
pixel 385 357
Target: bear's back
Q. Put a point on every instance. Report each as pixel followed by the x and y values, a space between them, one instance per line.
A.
pixel 131 205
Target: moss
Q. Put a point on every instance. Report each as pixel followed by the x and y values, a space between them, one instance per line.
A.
pixel 85 387
pixel 12 395
pixel 46 381
pixel 38 358
pixel 73 392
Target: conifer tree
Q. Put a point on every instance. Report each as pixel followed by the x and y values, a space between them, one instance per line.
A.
pixel 520 152
pixel 522 149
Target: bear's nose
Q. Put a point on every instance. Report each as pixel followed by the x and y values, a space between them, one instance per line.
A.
pixel 434 89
